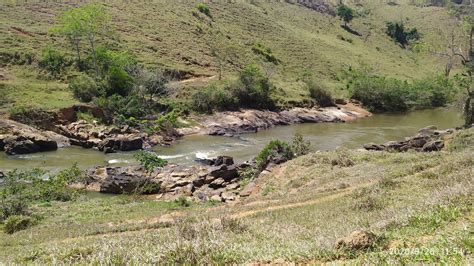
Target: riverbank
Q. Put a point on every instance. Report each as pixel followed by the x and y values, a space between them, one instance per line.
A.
pixel 51 130
pixel 251 121
pixel 418 206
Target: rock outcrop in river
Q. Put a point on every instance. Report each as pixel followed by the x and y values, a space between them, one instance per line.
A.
pixel 428 139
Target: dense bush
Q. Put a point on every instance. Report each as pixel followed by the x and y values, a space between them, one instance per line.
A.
pixel 214 98
pixel 12 205
pixel 253 89
pixel 150 160
pixel 319 94
pixel 203 8
pixel 299 145
pixel 84 88
pixel 259 49
pixel 117 105
pixel 382 94
pixel 19 189
pixel 17 223
pixel 397 31
pixel 113 66
pixel 432 92
pixel 52 61
pixel 273 149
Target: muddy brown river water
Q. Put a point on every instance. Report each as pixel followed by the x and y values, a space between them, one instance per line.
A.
pixel 324 136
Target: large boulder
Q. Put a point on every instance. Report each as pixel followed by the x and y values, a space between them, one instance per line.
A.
pixel 436 145
pixel 28 144
pixel 119 180
pixel 357 240
pixel 122 143
pixel 226 172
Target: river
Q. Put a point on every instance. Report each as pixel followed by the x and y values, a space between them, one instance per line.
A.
pixel 379 128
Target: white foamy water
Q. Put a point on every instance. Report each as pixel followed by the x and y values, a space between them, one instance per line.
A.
pixel 203 155
pixel 115 161
pixel 167 157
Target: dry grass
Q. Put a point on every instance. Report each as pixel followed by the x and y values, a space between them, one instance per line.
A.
pixel 165 33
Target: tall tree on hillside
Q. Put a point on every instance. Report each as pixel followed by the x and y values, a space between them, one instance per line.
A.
pixel 89 22
pixel 345 13
pixel 70 27
pixel 468 62
pixel 214 39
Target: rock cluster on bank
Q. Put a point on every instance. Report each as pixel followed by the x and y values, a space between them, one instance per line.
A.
pixel 19 138
pixel 427 139
pixel 219 181
pixel 48 130
pixel 250 120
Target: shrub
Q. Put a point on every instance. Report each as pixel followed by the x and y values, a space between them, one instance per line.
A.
pixel 117 105
pixel 55 188
pixel 345 13
pixel 183 202
pixel 149 160
pixel 272 150
pixel 300 146
pixel 213 98
pixel 118 82
pixel 86 116
pixel 432 92
pixel 17 223
pixel 259 49
pixel 397 31
pixel 113 66
pixel 380 94
pixel 320 94
pixel 84 88
pixel 253 89
pixel 12 205
pixel 147 187
pixel 342 159
pixel 52 61
pixel 168 120
pixel 203 8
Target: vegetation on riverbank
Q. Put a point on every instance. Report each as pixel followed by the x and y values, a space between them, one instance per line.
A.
pixel 420 208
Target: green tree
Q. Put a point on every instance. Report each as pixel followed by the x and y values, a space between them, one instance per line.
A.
pixel 70 26
pixel 401 35
pixel 345 13
pixel 90 22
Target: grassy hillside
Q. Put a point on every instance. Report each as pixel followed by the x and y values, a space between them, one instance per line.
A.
pixel 166 33
pixel 418 204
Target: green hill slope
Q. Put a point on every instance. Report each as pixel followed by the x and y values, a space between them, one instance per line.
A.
pixel 166 33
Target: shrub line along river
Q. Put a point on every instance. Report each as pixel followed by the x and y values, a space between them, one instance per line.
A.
pixel 379 128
